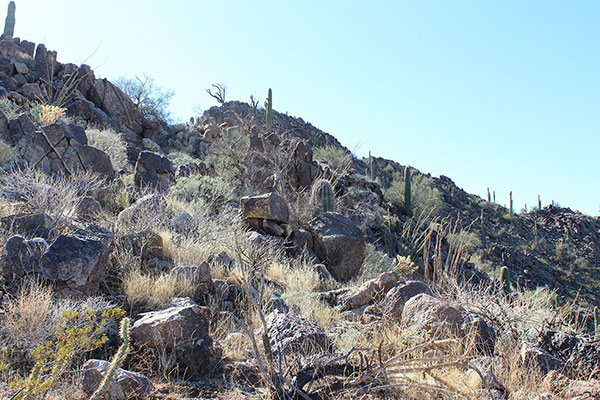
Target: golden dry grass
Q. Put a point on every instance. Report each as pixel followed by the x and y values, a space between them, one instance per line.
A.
pixel 148 290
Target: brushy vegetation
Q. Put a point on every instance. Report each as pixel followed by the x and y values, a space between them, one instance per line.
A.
pixel 426 199
pixel 109 142
pixel 337 158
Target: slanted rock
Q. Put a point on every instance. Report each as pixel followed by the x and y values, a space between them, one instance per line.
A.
pixel 339 243
pixel 438 315
pixel 269 206
pixel 75 265
pixel 125 385
pixel 289 333
pixel 116 104
pixel 20 257
pixel 365 294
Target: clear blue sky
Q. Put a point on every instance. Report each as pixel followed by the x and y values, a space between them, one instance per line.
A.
pixel 504 94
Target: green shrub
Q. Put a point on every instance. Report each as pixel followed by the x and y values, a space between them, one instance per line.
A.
pixel 110 143
pixel 7 153
pixel 177 158
pixel 151 145
pixel 11 109
pixel 425 198
pixel 338 159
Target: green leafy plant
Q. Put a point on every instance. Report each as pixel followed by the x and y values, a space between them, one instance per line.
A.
pixel 150 99
pixel 109 142
pixel 338 159
pixel 116 362
pixel 80 333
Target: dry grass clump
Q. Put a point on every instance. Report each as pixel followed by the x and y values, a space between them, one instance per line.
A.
pixel 109 142
pixel 155 290
pixel 7 153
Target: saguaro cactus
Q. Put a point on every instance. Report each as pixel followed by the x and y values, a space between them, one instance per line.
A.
pixel 511 204
pixel 116 362
pixel 322 196
pixel 539 202
pixel 489 197
pixel 269 107
pixel 9 24
pixel 407 192
pixel 371 176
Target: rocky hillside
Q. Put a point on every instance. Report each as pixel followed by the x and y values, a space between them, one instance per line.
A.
pixel 247 254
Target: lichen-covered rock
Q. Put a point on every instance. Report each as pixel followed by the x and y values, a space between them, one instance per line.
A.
pixel 339 243
pixel 440 316
pixel 125 385
pixel 75 265
pixel 374 289
pixel 269 206
pixel 581 356
pixel 20 257
pixel 289 333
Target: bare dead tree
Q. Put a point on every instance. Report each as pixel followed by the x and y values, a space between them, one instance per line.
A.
pixel 219 95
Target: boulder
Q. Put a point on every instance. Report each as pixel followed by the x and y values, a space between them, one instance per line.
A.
pixel 125 385
pixel 88 208
pixel 38 224
pixel 440 316
pixel 198 274
pixel 289 333
pixel 182 330
pixel 31 91
pixel 116 104
pixel 75 265
pixel 153 170
pixel 95 160
pixel 533 357
pixel 339 243
pixel 20 257
pixel 269 206
pixel 399 295
pixel 581 355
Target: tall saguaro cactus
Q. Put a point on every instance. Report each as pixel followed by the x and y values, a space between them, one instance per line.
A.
pixel 269 107
pixel 371 175
pixel 9 24
pixel 539 203
pixel 407 192
pixel 511 205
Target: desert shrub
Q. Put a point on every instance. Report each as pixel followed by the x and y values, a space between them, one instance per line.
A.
pixel 11 109
pixel 426 200
pixel 53 195
pixel 338 159
pixel 151 145
pixel 470 240
pixel 178 158
pixel 151 100
pixel 45 114
pixel 210 189
pixel 228 155
pixel 7 153
pixel 376 262
pixel 110 143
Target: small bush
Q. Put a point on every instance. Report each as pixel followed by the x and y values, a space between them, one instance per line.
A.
pixel 210 189
pixel 11 109
pixel 45 114
pixel 151 145
pixel 338 159
pixel 7 153
pixel 178 158
pixel 110 143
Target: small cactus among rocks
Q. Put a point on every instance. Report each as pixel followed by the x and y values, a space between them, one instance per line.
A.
pixel 407 192
pixel 505 280
pixel 323 197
